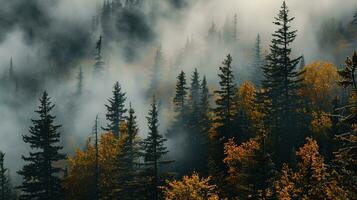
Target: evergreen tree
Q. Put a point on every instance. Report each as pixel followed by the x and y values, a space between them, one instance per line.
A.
pixel 223 123
pixel 5 187
pixel 156 72
pixel 204 126
pixel 40 174
pixel 96 164
pixel 154 150
pixel 99 63
pixel 180 99
pixel 281 84
pixel 115 110
pixel 225 100
pixel 194 100
pixel 258 62
pixel 127 161
pixel 80 81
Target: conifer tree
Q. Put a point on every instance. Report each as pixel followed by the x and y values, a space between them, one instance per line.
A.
pixel 128 160
pixel 5 190
pixel 40 174
pixel 194 100
pixel 282 83
pixel 98 58
pixel 156 72
pixel 258 62
pixel 115 110
pixel 180 99
pixel 154 150
pixel 225 100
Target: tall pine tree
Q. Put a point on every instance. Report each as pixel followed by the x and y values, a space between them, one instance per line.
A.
pixel 5 187
pixel 154 150
pixel 258 62
pixel 180 99
pixel 98 58
pixel 281 83
pixel 156 72
pixel 126 165
pixel 115 110
pixel 40 174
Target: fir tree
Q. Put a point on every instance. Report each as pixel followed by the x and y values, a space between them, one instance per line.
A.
pixel 96 164
pixel 194 100
pixel 5 187
pixel 225 100
pixel 180 99
pixel 127 161
pixel 281 83
pixel 258 62
pixel 40 175
pixel 99 63
pixel 156 72
pixel 115 110
pixel 154 150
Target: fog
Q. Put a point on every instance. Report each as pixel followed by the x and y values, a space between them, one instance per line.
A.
pixel 49 40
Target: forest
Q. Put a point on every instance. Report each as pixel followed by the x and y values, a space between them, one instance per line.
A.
pixel 178 100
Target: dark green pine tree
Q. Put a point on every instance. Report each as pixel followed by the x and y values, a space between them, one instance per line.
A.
pixel 40 174
pixel 153 151
pixel 204 126
pixel 180 99
pixel 128 179
pixel 115 110
pixel 98 58
pixel 194 98
pixel 5 187
pixel 80 82
pixel 156 72
pixel 225 100
pixel 281 83
pixel 258 62
pixel 224 118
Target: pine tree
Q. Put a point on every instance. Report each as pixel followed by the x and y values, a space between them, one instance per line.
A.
pixel 156 72
pixel 225 100
pixel 194 100
pixel 154 150
pixel 281 84
pixel 99 63
pixel 180 99
pixel 96 163
pixel 80 82
pixel 127 161
pixel 258 62
pixel 40 175
pixel 222 124
pixel 115 110
pixel 5 187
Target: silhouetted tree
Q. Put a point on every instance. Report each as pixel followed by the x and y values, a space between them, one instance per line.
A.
pixel 282 83
pixel 40 174
pixel 99 63
pixel 154 150
pixel 258 62
pixel 115 110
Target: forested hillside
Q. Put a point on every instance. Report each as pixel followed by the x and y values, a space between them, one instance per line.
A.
pixel 178 100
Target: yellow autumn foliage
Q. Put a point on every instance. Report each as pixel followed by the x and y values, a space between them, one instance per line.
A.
pixel 80 181
pixel 321 123
pixel 190 188
pixel 320 83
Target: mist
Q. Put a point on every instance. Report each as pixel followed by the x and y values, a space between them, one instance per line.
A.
pixel 49 41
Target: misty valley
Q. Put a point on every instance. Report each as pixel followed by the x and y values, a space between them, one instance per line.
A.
pixel 178 99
